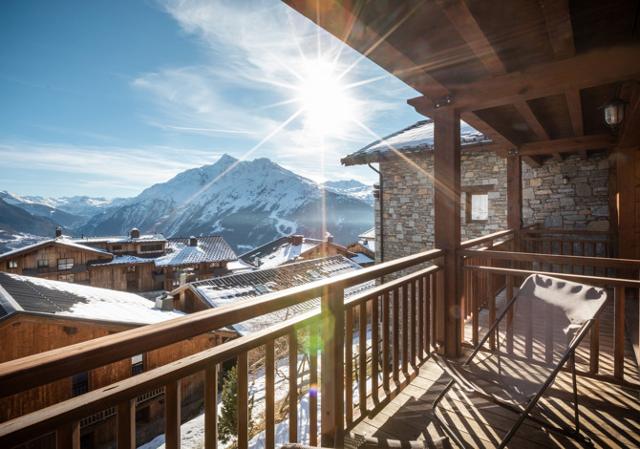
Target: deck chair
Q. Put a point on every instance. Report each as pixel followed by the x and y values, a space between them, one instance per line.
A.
pixel 534 336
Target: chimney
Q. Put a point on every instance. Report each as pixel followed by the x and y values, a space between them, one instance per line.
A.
pixel 134 233
pixel 328 237
pixel 296 239
pixel 58 232
pixel 193 241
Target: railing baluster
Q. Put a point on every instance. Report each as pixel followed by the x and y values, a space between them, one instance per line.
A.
pixel 269 395
pixel 421 332
pixel 492 307
pixel 211 407
pixel 243 401
pixel 412 319
pixel 172 402
pixel 375 347
pixel 386 322
pixel 348 365
pixel 405 330
pixel 313 388
pixel 127 424
pixel 68 436
pixel 618 333
pixel 509 297
pixel 594 347
pixel 362 363
pixel 396 337
pixel 293 386
pixel 428 298
pixel 475 319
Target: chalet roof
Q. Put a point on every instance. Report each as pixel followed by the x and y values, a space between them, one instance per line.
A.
pixel 124 260
pixel 414 138
pixel 61 241
pixel 209 249
pixel 229 289
pixel 361 259
pixel 369 234
pixel 145 238
pixel 43 296
pixel 284 250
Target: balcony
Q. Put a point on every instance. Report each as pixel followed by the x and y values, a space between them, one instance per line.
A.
pixel 382 385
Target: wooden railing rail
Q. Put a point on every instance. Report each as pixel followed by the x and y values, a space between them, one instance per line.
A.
pixel 39 369
pixel 488 239
pixel 402 307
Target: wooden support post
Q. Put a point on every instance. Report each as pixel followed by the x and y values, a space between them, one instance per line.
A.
pixel 211 407
pixel 127 424
pixel 332 375
pixel 447 220
pixel 243 401
pixel 514 194
pixel 172 415
pixel 269 394
pixel 68 436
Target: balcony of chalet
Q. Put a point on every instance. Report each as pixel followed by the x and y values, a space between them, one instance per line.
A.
pixel 532 76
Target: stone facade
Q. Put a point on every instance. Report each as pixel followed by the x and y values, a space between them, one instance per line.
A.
pixel 571 194
pixel 408 200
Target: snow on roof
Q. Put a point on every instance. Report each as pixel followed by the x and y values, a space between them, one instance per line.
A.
pixel 224 290
pixel 209 249
pixel 57 241
pixel 121 239
pixel 368 234
pixel 417 137
pixel 362 259
pixel 80 301
pixel 124 260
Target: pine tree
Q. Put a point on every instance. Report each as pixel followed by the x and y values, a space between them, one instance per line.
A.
pixel 228 424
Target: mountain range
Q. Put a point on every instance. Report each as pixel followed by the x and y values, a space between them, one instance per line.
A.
pixel 247 202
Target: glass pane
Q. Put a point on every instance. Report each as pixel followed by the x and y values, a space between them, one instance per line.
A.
pixel 480 206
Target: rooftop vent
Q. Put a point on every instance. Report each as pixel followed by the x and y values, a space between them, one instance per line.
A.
pixel 193 241
pixel 296 239
pixel 58 232
pixel 164 303
pixel 134 233
pixel 328 237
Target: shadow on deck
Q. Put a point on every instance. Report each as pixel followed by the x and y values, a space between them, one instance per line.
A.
pixel 609 413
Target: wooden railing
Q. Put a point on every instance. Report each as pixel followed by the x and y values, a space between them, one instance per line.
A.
pixel 567 242
pixel 398 315
pixel 619 275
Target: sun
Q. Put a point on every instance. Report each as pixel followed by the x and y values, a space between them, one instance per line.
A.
pixel 327 106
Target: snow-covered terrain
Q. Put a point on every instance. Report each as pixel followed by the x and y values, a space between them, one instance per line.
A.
pixel 352 188
pixel 247 202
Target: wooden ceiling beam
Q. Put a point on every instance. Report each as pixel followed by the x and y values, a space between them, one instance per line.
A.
pixel 567 145
pixel 468 28
pixel 503 144
pixel 532 161
pixel 601 66
pixel 629 134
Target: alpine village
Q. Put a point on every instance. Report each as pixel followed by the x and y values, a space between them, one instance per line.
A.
pixel 482 293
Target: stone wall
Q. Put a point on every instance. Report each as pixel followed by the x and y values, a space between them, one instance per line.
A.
pixel 571 194
pixel 408 200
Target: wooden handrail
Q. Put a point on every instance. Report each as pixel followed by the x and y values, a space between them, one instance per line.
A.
pixel 605 262
pixel 41 421
pixel 565 231
pixel 592 280
pixel 39 369
pixel 487 238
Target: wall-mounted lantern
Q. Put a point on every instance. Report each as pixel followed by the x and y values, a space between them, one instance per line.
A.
pixel 614 112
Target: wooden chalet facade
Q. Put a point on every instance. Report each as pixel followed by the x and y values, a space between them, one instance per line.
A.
pixel 532 76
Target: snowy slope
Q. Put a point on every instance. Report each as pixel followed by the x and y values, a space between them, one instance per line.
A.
pixel 247 202
pixel 352 188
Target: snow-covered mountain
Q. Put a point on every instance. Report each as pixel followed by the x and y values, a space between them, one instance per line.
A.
pixel 353 188
pixel 81 206
pixel 247 202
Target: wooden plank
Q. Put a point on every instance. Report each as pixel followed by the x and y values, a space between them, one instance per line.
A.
pixel 514 192
pixel 269 395
pixel 362 357
pixel 332 377
pixel 293 386
pixel 420 298
pixel 395 345
pixel 126 419
pixel 412 323
pixel 211 407
pixel 447 218
pixel 557 17
pixel 313 390
pixel 428 298
pixel 567 145
pixel 375 348
pixel 405 329
pixel 172 406
pixel 594 68
pixel 386 341
pixel 68 436
pixel 243 401
pixel 629 134
pixel 574 104
pixel 594 347
pixel 348 366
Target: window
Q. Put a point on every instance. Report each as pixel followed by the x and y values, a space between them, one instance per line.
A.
pixel 12 264
pixel 116 248
pixel 43 263
pixel 153 247
pixel 80 383
pixel 137 364
pixel 477 203
pixel 131 268
pixel 65 264
pixel 67 277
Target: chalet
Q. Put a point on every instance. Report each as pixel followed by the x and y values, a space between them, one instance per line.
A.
pixel 364 248
pixel 293 248
pixel 553 87
pixel 38 315
pixel 59 258
pixel 220 291
pixel 141 245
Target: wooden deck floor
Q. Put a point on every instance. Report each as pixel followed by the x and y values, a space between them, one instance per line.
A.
pixel 609 414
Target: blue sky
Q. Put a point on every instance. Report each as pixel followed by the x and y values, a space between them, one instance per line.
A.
pixel 105 98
